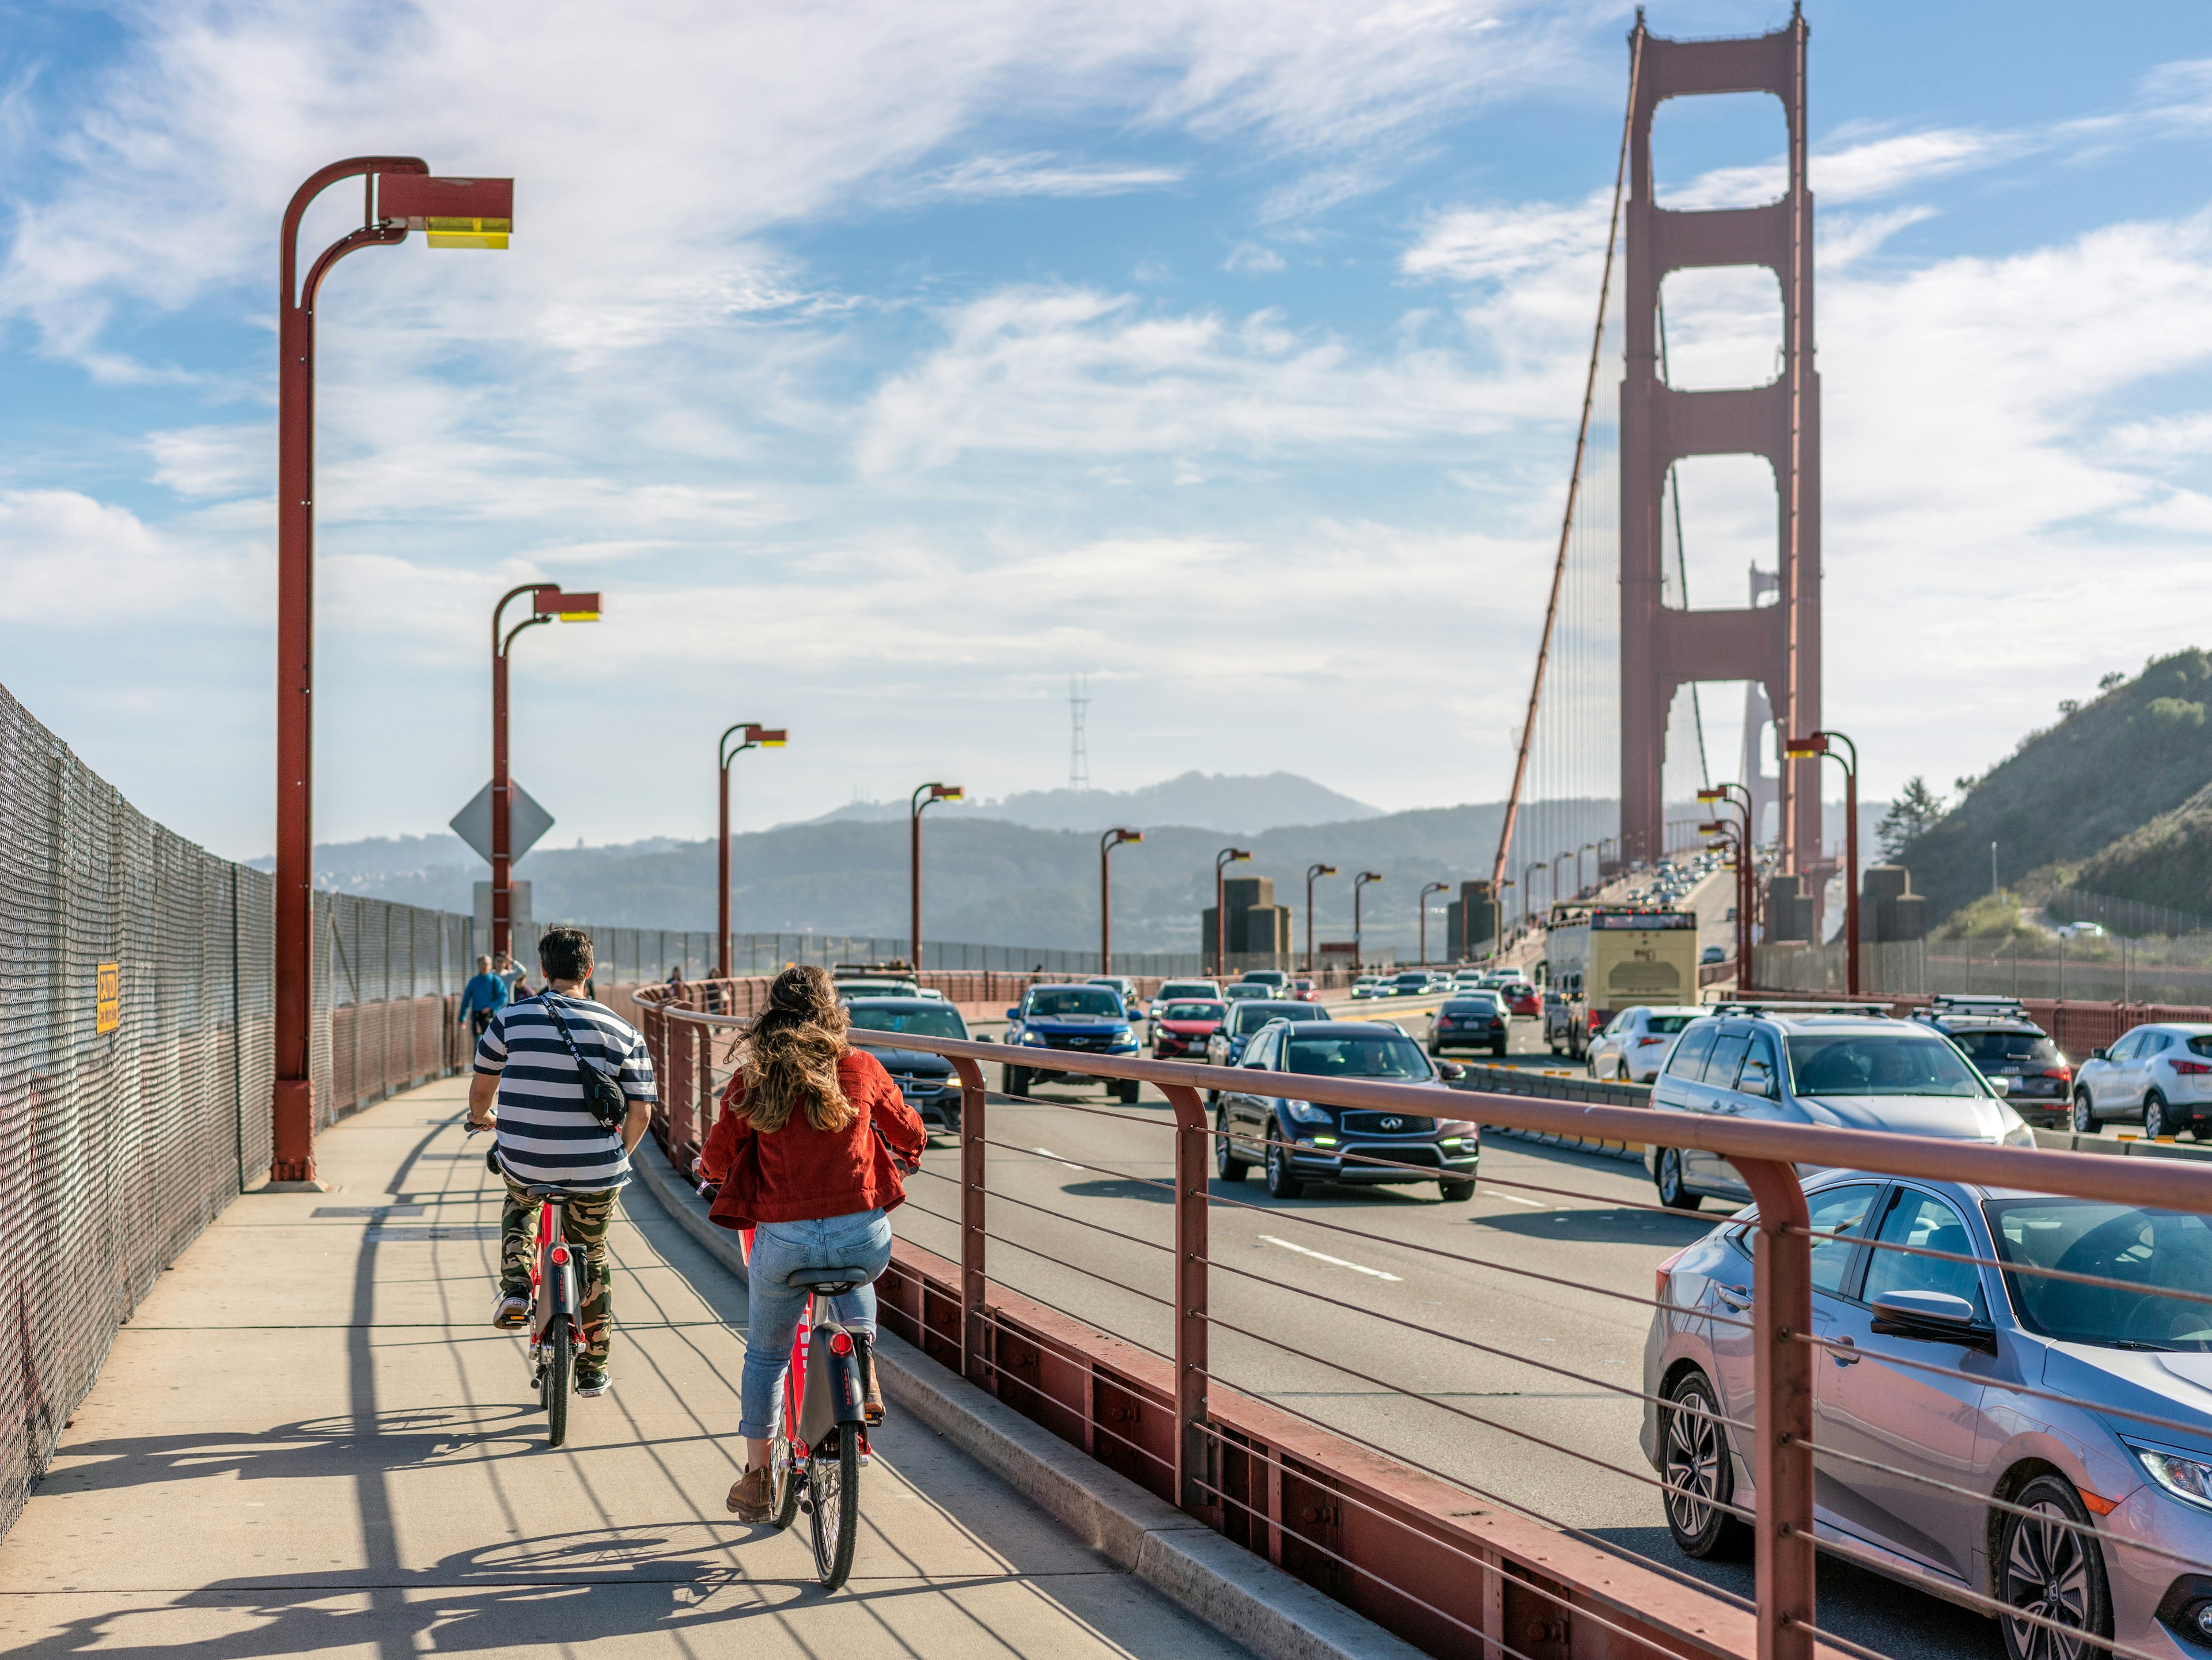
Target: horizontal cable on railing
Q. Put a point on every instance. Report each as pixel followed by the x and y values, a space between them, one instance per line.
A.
pixel 1445 1406
pixel 2003 1610
pixel 1485 1349
pixel 1991 1382
pixel 1021 1382
pixel 1992 1502
pixel 2072 1276
pixel 1095 1170
pixel 1091 1273
pixel 926 1211
pixel 1520 1507
pixel 1099 1227
pixel 1083 1320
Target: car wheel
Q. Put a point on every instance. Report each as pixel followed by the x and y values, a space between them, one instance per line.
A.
pixel 1497 1051
pixel 1126 1088
pixel 1699 1472
pixel 1672 1193
pixel 2157 1121
pixel 2050 1569
pixel 1456 1190
pixel 1017 1080
pixel 1226 1164
pixel 2085 1115
pixel 1281 1184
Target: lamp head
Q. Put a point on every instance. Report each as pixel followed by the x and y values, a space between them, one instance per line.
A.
pixel 769 738
pixel 452 213
pixel 1715 826
pixel 1121 836
pixel 1324 870
pixel 1712 795
pixel 947 793
pixel 1371 876
pixel 1799 749
pixel 568 607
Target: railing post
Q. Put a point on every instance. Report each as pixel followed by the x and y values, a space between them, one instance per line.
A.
pixel 1782 1376
pixel 972 1336
pixel 702 1085
pixel 1196 1489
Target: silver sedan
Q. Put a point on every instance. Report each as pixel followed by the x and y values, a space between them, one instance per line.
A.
pixel 2072 1510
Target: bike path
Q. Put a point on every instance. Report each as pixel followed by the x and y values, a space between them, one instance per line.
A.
pixel 309 1441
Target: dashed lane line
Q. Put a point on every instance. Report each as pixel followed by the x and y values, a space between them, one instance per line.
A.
pixel 1323 1256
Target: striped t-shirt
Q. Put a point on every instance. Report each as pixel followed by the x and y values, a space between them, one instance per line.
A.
pixel 547 1133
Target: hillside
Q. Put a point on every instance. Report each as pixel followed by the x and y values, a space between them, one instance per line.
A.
pixel 2096 780
pixel 1245 804
pixel 2166 862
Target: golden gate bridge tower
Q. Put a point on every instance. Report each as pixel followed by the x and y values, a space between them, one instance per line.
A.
pixel 1663 647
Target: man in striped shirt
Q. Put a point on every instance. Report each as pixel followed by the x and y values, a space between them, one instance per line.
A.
pixel 549 1136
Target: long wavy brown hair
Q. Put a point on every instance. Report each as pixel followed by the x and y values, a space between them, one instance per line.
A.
pixel 790 1056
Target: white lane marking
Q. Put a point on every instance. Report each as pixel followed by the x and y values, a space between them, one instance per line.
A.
pixel 1532 1204
pixel 1047 1153
pixel 1322 1256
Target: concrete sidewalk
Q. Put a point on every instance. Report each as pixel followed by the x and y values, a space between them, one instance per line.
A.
pixel 308 1441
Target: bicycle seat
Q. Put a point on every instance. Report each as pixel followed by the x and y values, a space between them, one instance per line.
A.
pixel 542 1192
pixel 827 1282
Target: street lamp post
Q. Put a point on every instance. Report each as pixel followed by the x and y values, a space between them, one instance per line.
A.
pixel 547 602
pixel 1727 833
pixel 1820 743
pixel 1358 954
pixel 1107 843
pixel 1222 859
pixel 755 737
pixel 1556 863
pixel 1313 871
pixel 1528 892
pixel 1581 886
pixel 412 200
pixel 1432 887
pixel 924 797
pixel 1739 798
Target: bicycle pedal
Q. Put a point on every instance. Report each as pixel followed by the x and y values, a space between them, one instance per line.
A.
pixel 806 1507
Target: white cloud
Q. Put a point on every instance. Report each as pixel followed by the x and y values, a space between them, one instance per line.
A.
pixel 68 563
pixel 1040 173
pixel 1254 257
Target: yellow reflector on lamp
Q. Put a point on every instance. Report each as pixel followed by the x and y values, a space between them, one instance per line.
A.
pixel 579 616
pixel 467 233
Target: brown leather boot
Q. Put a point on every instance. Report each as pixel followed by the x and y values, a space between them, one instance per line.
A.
pixel 752 1497
pixel 871 1394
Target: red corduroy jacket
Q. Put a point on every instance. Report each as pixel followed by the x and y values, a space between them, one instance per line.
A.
pixel 800 1174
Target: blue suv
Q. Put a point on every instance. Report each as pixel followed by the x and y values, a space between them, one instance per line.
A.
pixel 1074 1020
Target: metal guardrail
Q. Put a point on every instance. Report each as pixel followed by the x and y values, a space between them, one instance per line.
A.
pixel 1393 1537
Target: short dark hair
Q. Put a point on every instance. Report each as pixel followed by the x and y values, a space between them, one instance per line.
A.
pixel 565 954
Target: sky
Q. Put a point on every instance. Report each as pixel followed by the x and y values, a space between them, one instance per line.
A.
pixel 885 365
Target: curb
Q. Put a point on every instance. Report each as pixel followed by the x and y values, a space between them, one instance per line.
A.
pixel 1243 1597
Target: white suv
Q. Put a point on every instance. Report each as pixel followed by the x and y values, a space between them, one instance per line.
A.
pixel 1634 1045
pixel 2161 1074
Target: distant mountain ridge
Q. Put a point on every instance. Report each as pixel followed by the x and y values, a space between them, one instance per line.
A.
pixel 1242 805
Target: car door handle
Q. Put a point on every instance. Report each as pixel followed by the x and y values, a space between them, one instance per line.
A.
pixel 1841 1358
pixel 1738 1297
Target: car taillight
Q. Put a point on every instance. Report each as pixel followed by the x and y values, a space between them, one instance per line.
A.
pixel 1641 1042
pixel 2064 1074
pixel 2191 1068
pixel 1663 1273
pixel 1596 1019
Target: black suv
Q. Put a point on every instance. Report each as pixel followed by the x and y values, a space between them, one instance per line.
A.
pixel 927 1081
pixel 1300 1141
pixel 2003 1041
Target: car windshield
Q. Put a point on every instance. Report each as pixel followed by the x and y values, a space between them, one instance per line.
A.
pixel 1241 993
pixel 1667 1023
pixel 1050 1001
pixel 1988 1048
pixel 1366 1054
pixel 1470 1005
pixel 1194 1011
pixel 1187 988
pixel 2154 1250
pixel 1879 1063
pixel 1248 1017
pixel 939 1020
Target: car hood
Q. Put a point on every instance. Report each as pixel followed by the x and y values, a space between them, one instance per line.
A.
pixel 1075 1023
pixel 917 1062
pixel 2176 1386
pixel 1951 1117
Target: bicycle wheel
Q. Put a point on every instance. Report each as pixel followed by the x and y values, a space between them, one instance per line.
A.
pixel 553 1383
pixel 833 1483
pixel 784 1494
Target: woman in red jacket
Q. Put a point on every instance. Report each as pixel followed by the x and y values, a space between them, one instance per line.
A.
pixel 807 1150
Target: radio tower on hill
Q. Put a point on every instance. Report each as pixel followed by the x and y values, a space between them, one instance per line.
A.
pixel 1079 752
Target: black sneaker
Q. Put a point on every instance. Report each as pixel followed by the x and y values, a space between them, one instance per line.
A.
pixel 511 1312
pixel 593 1380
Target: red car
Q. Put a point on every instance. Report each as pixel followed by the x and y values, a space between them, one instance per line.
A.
pixel 1521 997
pixel 1302 991
pixel 1180 1029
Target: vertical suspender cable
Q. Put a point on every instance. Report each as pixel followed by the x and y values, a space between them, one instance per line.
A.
pixel 1574 485
pixel 1683 568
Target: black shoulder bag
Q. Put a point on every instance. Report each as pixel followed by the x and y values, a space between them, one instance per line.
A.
pixel 603 1093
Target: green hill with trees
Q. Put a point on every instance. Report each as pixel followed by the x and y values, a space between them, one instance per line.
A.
pixel 2114 798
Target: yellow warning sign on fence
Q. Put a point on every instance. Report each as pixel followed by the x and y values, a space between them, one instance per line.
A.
pixel 107 1011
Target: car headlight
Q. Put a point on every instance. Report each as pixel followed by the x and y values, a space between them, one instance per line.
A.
pixel 1305 1112
pixel 1127 1040
pixel 1035 1038
pixel 2186 1478
pixel 2020 1135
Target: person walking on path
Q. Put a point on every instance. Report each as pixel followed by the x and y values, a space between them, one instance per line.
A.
pixel 808 1152
pixel 528 1065
pixel 484 996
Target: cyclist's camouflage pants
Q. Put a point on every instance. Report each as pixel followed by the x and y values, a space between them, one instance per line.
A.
pixel 585 1225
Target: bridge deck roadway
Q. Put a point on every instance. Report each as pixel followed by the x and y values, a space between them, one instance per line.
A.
pixel 309 1442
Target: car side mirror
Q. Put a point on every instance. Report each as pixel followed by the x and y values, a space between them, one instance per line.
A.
pixel 1450 1071
pixel 1937 1315
pixel 1757 1080
pixel 1013 1014
pixel 2001 1085
pixel 2101 1055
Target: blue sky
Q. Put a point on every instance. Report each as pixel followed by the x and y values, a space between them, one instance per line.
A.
pixel 884 366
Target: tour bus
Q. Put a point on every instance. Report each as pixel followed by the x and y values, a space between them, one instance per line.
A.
pixel 1601 959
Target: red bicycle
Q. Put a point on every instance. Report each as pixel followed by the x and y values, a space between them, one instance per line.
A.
pixel 555 1314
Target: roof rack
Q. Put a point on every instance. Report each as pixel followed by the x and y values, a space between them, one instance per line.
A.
pixel 1976 1003
pixel 894 970
pixel 1753 1006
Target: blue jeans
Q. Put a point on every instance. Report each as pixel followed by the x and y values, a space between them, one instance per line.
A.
pixel 862 1240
